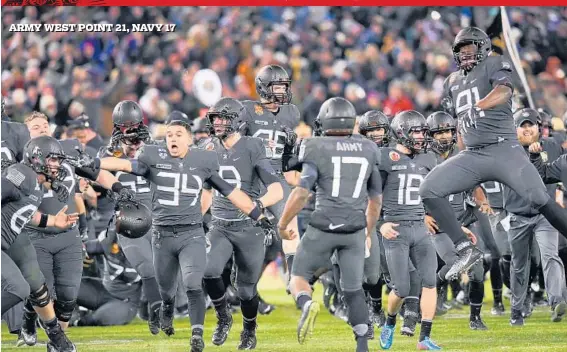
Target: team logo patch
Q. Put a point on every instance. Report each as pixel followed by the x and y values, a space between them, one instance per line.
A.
pixel 114 249
pixel 162 153
pixel 210 146
pixel 261 123
pixel 164 166
pixel 525 114
pixel 117 153
pixel 506 65
pixel 394 156
pixel 544 157
pixel 258 109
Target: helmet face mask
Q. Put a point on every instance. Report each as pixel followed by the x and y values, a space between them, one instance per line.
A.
pixel 471 47
pixel 273 85
pixel 224 117
pixel 409 129
pixel 378 135
pixel 442 144
pixel 45 156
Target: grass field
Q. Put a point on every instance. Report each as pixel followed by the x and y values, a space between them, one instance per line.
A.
pixel 277 332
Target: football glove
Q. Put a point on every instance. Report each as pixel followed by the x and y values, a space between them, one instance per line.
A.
pixel 290 136
pixel 469 117
pixel 269 231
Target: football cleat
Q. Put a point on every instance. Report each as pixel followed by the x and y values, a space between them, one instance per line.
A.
pixel 558 312
pixel 476 323
pixel 26 337
pixel 516 318
pixel 307 321
pixel 166 318
pixel 265 308
pixel 528 308
pixel 498 308
pixel 224 323
pixel 468 255
pixel 197 343
pixel 247 339
pixel 58 341
pixel 387 337
pixel 153 319
pixel 427 345
pixel 408 328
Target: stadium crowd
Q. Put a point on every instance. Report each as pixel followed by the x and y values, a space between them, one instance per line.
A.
pixel 98 106
pixel 390 59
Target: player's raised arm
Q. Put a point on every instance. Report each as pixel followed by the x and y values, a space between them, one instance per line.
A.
pixel 551 173
pixel 501 81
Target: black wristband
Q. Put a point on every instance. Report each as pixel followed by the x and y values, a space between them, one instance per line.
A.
pixel 97 163
pixel 116 187
pixel 83 224
pixel 43 221
pixel 255 213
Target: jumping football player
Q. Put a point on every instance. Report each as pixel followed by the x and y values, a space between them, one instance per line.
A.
pixel 480 94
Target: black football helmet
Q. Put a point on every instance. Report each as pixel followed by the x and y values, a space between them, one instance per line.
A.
pixel 402 127
pixel 178 118
pixel 226 109
pixel 133 219
pixel 336 116
pixel 371 121
pixel 201 125
pixel 441 121
pixel 471 35
pixel 37 154
pixel 273 75
pixel 128 121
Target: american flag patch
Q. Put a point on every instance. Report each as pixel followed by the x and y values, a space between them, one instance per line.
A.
pixel 15 176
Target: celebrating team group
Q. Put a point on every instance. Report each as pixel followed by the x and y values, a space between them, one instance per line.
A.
pixel 409 202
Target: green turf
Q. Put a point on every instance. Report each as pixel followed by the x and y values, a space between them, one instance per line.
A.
pixel 277 332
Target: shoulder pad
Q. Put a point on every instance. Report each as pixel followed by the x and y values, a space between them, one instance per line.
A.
pixel 497 63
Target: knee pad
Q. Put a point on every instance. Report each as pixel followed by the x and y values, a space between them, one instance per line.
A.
pixel 193 281
pixel 41 297
pixel 64 309
pixel 246 291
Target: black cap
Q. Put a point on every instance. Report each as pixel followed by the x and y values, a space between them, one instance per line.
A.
pixel 526 115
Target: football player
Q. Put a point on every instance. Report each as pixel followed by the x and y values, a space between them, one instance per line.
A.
pixel 274 119
pixel 480 94
pixel 59 252
pixel 405 237
pixel 201 130
pixel 443 133
pixel 177 173
pixel 243 163
pixel 129 135
pixel 23 187
pixel 343 168
pixel 526 223
pixel 375 126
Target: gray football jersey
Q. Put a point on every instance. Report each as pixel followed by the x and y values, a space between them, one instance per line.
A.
pixel 120 278
pixel 515 203
pixel 237 167
pixel 16 214
pixel 347 172
pixel 261 123
pixel 401 187
pixel 176 184
pixel 15 135
pixel 494 124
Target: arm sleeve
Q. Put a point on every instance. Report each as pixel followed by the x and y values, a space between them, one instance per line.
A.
pixel 309 176
pixel 374 183
pixel 9 191
pixel 501 73
pixel 556 171
pixel 220 185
